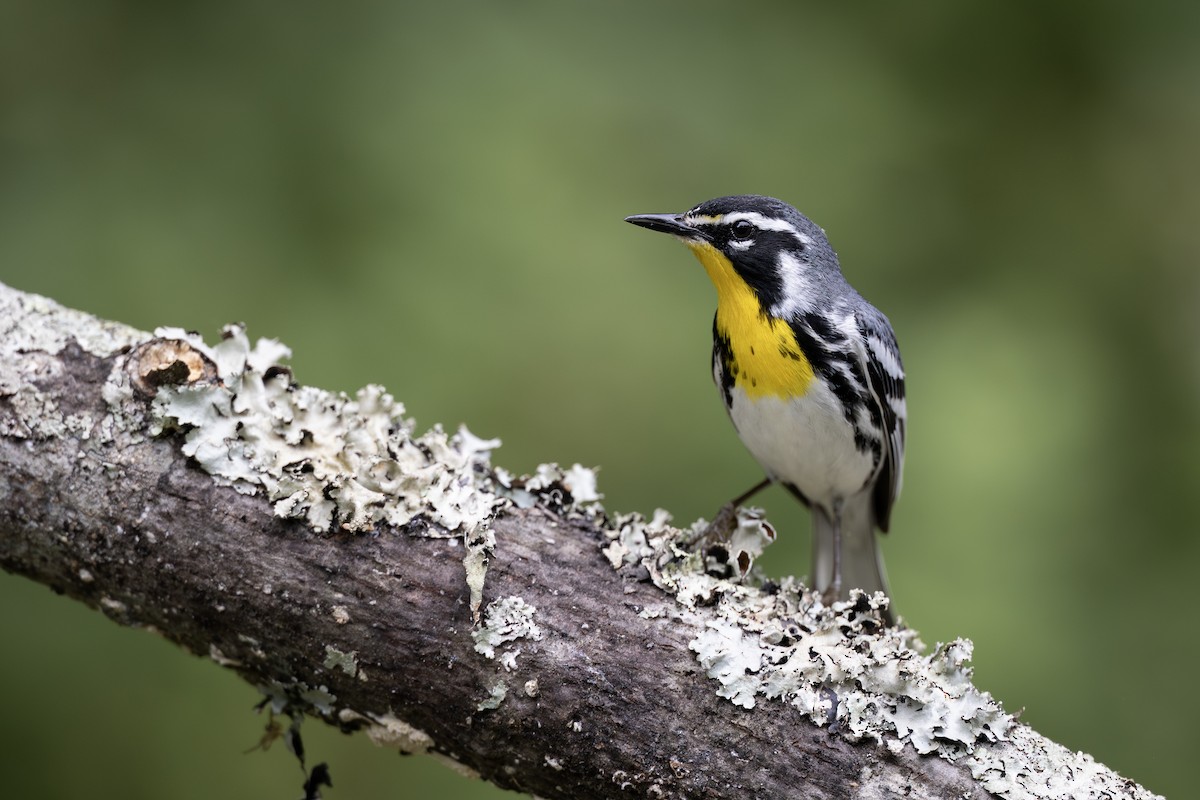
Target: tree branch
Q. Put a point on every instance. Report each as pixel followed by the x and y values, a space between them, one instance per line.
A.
pixel 398 585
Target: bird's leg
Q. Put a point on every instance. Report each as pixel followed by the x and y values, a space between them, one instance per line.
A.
pixel 833 592
pixel 723 525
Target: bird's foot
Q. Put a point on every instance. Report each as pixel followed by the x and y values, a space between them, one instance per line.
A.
pixel 720 529
pixel 832 594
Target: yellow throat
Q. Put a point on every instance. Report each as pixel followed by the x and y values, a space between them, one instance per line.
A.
pixel 767 361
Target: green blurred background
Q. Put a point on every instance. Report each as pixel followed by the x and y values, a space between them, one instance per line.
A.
pixel 430 197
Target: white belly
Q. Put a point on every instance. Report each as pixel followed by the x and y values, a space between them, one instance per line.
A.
pixel 804 441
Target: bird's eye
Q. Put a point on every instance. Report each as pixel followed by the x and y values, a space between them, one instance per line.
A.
pixel 742 229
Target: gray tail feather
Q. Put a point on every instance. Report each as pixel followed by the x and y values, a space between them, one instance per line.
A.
pixel 862 563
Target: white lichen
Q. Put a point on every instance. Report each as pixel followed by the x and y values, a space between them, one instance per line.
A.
pixel 841 666
pixel 456 766
pixel 391 732
pixel 581 483
pixel 506 620
pixel 33 331
pixel 495 697
pixel 572 491
pixel 113 605
pixel 318 698
pixel 330 460
pixel 837 665
pixel 32 323
pixel 336 659
pixel 326 458
pixel 749 539
pixel 296 698
pixel 218 656
pixel 479 544
pixel 321 456
pixel 388 730
pixel 1028 766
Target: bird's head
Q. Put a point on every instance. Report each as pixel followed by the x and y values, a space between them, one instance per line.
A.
pixel 782 255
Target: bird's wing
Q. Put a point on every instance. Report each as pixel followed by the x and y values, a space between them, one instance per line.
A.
pixel 879 359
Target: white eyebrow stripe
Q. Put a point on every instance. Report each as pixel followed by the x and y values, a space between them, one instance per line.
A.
pixel 760 221
pixel 763 223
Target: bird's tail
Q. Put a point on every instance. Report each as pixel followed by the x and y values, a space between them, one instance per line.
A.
pixel 862 563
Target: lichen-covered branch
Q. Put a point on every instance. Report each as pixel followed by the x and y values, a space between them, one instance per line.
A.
pixel 400 585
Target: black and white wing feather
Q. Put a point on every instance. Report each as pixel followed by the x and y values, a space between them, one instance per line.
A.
pixel 879 359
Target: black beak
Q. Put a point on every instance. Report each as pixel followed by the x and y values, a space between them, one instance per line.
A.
pixel 667 223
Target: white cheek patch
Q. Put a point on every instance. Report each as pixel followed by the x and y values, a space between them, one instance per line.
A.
pixel 797 288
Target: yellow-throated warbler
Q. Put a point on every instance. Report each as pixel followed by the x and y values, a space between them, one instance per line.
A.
pixel 810 374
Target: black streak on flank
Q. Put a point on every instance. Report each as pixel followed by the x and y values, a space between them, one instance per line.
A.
pixel 815 335
pixel 722 356
pixel 824 329
pixel 878 378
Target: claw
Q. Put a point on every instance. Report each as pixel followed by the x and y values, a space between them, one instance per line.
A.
pixel 720 529
pixel 726 521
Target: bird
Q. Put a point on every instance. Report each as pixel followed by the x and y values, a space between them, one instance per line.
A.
pixel 810 375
